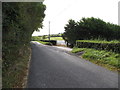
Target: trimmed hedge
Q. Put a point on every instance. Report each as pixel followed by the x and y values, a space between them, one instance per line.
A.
pixel 45 43
pixel 54 42
pixel 115 47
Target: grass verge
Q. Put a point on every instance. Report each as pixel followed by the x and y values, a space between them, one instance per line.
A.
pixel 14 76
pixel 45 43
pixel 100 57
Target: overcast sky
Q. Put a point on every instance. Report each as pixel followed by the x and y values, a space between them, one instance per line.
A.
pixel 58 12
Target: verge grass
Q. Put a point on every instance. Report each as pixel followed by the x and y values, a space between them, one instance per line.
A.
pixel 45 43
pixel 100 57
pixel 15 75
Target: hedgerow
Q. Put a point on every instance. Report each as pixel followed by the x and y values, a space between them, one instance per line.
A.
pixel 100 45
pixel 90 28
pixel 20 20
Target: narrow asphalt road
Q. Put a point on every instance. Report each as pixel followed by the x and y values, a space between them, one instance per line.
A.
pixel 51 67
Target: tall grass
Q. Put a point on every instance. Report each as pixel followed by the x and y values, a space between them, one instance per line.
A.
pixel 101 57
pixel 13 76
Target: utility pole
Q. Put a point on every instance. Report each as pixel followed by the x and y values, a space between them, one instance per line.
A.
pixel 49 31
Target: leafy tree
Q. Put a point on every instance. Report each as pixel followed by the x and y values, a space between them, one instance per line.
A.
pixel 90 28
pixel 70 31
pixel 20 20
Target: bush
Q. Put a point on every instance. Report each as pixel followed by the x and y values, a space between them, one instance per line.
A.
pixel 53 42
pixel 20 20
pixel 45 43
pixel 100 45
pixel 90 28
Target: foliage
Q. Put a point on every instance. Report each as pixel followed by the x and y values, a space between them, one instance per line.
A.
pixel 15 74
pixel 45 43
pixel 70 32
pixel 20 20
pixel 100 57
pixel 52 42
pixel 99 41
pixel 56 35
pixel 100 45
pixel 90 28
pixel 43 37
pixel 75 50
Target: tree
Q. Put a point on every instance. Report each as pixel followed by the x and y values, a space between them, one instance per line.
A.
pixel 20 20
pixel 90 28
pixel 70 30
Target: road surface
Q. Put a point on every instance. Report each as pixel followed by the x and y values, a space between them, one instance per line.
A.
pixel 52 67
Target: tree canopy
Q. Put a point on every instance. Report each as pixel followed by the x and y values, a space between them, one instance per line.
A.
pixel 90 28
pixel 20 20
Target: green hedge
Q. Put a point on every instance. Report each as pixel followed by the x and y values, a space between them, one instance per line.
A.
pixel 100 45
pixel 54 42
pixel 19 21
pixel 45 43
